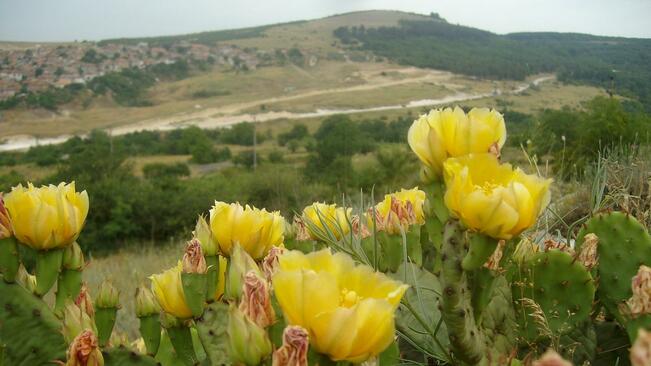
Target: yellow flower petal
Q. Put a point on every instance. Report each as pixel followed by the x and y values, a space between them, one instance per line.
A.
pixel 447 133
pixel 47 217
pixel 347 309
pixel 492 198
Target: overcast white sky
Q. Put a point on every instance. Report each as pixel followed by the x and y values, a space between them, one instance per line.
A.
pixel 67 20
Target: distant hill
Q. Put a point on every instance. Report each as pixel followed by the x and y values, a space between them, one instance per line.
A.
pixel 623 64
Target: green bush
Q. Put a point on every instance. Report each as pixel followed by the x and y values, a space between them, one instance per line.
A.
pixel 241 134
pixel 161 170
pixel 298 132
pixel 276 156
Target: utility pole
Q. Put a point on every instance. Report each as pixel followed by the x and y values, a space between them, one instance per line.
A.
pixel 255 145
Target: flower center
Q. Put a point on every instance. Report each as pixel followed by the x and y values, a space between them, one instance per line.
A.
pixel 488 187
pixel 349 298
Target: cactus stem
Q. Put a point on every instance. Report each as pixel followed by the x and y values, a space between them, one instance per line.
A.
pixel 48 265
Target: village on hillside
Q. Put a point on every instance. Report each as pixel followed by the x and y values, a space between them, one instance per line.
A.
pixel 39 67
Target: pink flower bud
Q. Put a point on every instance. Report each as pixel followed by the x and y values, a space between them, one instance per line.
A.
pixel 294 349
pixel 256 300
pixel 193 259
pixel 400 216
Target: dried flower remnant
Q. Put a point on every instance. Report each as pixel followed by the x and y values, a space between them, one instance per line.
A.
pixel 270 262
pixel 588 255
pixel 84 351
pixel 493 262
pixel 193 259
pixel 641 350
pixel 640 302
pixel 294 349
pixel 256 300
pixel 551 358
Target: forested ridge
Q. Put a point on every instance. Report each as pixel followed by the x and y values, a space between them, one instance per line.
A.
pixel 618 63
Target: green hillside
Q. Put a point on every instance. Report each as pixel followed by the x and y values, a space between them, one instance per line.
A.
pixel 609 62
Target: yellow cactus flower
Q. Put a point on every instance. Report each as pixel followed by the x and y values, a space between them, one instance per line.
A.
pixel 493 198
pixel 317 214
pixel 446 133
pixel 47 217
pixel 399 209
pixel 347 309
pixel 168 289
pixel 254 229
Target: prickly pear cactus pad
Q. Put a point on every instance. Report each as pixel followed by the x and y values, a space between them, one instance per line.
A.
pixel 624 245
pixel 212 332
pixel 124 357
pixel 28 328
pixel 561 287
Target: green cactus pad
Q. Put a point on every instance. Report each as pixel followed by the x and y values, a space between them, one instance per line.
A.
pixel 123 356
pixel 624 245
pixel 212 332
pixel 560 285
pixel 498 323
pixel 9 261
pixel 29 330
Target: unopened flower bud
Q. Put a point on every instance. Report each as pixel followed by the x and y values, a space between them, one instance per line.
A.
pixel 551 358
pixel 168 320
pixel 145 302
pixel 588 253
pixel 5 225
pixel 25 279
pixel 109 296
pixel 248 342
pixel 75 321
pixel 524 250
pixel 640 302
pixel 256 300
pixel 398 211
pixel 120 339
pixel 139 346
pixel 641 350
pixel 290 230
pixel 270 262
pixel 294 349
pixel 193 259
pixel 84 351
pixel 240 264
pixel 73 257
pixel 84 302
pixel 204 235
